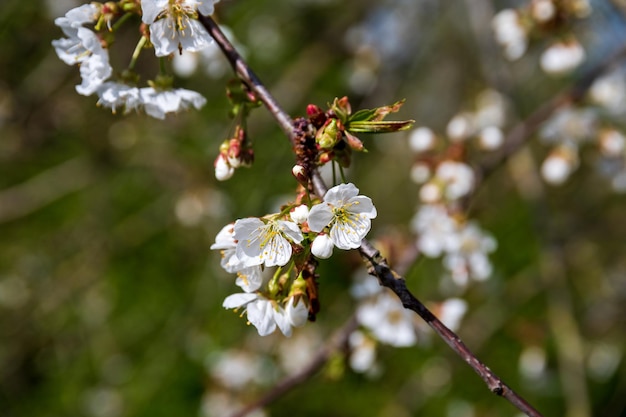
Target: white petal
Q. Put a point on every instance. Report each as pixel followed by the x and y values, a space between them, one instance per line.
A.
pixel 238 300
pixel 291 230
pixel 340 194
pixel 207 7
pixel 322 247
pixel 320 216
pixel 298 314
pixel 261 315
pixel 151 9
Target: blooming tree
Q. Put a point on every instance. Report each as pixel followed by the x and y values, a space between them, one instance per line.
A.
pixel 373 202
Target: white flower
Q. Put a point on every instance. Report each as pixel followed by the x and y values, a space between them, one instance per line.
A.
pixel 362 352
pixel 543 10
pixel 468 257
pixel 490 138
pixel 115 95
pixel 174 24
pixel 460 127
pixel 223 170
pixel 388 321
pixel 610 92
pixel 451 312
pixel 612 142
pixel 265 243
pixel 299 214
pixel 569 125
pixel 562 57
pixel 158 103
pixel 346 213
pixel 249 278
pixel 435 229
pixel 259 310
pixel 266 315
pixel 458 178
pixel 510 33
pixel 557 168
pixel 78 16
pixel 322 246
pixel 83 47
pixel 296 313
pixel 422 139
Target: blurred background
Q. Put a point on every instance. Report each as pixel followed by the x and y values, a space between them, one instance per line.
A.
pixel 110 300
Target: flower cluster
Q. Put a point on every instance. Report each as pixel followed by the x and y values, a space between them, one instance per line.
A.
pixel 382 319
pixel 441 228
pixel 595 123
pixel 540 18
pixel 482 124
pixel 287 241
pixel 463 245
pixel 90 30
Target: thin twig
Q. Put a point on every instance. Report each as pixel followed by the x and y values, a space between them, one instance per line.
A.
pixel 379 266
pixel 338 342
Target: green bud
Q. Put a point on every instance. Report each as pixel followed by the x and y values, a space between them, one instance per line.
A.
pixel 328 135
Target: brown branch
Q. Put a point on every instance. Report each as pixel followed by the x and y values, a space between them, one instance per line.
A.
pixel 338 342
pixel 248 76
pixel 378 265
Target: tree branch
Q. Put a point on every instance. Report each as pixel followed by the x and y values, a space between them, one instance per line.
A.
pixel 338 342
pixel 378 265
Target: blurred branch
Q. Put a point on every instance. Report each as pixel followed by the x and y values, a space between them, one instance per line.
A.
pixel 378 265
pixel 337 343
pixel 45 188
pixel 520 133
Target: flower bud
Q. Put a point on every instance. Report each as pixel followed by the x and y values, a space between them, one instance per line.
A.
pixel 316 115
pixel 322 246
pixel 328 135
pixel 223 170
pixel 299 172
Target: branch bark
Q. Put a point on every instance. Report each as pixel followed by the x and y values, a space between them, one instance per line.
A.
pixel 378 265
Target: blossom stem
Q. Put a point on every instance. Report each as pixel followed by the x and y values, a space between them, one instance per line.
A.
pixel 137 52
pixel 121 21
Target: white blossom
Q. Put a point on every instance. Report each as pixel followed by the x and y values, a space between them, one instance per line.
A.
pixel 259 310
pixel 322 246
pixel 265 243
pixel 249 278
pixel 157 103
pixel 266 315
pixel 387 320
pixel 422 139
pixel 77 17
pixel 174 25
pixel 562 57
pixel 467 254
pixel 457 177
pixel 435 229
pixel 299 214
pixel 83 47
pixel 362 352
pixel 347 214
pixel 557 168
pixel 114 95
pixel 510 33
pixel 491 138
pixel 223 170
pixel 612 142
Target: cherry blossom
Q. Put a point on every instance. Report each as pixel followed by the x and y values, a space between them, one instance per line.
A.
pixel 249 278
pixel 174 25
pixel 347 214
pixel 265 242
